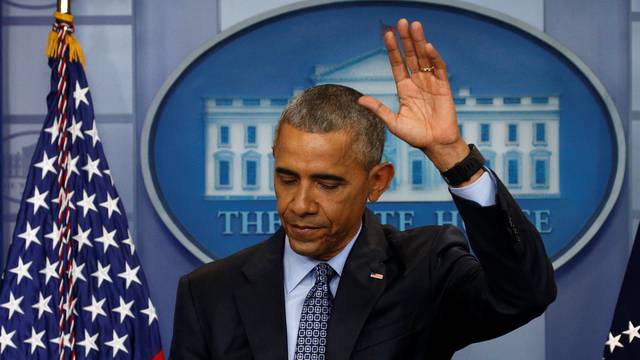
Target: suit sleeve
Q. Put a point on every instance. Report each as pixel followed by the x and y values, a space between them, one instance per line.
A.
pixel 188 338
pixel 506 284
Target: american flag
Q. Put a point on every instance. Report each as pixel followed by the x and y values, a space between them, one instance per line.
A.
pixel 623 340
pixel 73 287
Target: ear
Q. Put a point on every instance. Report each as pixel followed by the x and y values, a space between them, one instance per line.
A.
pixel 379 178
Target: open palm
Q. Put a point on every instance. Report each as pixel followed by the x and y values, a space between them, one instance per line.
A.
pixel 426 118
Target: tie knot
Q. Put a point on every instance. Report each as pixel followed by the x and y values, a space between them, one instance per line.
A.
pixel 324 273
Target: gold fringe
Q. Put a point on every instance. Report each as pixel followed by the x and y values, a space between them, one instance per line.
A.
pixel 75 51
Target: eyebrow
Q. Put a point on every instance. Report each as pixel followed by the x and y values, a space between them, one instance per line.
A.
pixel 320 176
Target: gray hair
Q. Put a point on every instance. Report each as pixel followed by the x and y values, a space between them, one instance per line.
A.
pixel 330 107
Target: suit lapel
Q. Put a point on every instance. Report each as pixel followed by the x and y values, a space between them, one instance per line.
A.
pixel 358 292
pixel 261 302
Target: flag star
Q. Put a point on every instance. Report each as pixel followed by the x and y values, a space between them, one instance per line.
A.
pixel 38 200
pixel 107 239
pixel 6 339
pixel 35 340
pixel 49 271
pixel 54 130
pixel 46 164
pixel 75 129
pixel 76 271
pixel 70 308
pixel 130 275
pixel 89 343
pixel 93 133
pixel 124 310
pixel 66 199
pixel 64 338
pixel 92 167
pixel 42 305
pixel 95 308
pixel 22 270
pixel 632 332
pixel 111 205
pixel 13 305
pixel 102 273
pixel 73 165
pixel 54 235
pixel 30 236
pixel 150 312
pixel 87 203
pixel 82 237
pixel 108 172
pixel 80 94
pixel 117 343
pixel 613 342
pixel 129 241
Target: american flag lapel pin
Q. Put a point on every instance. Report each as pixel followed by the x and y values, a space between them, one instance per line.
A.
pixel 376 275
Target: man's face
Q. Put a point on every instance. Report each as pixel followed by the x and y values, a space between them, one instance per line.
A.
pixel 321 190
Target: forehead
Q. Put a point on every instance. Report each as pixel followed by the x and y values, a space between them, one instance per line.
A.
pixel 298 149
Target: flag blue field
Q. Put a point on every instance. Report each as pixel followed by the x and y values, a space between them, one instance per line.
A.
pixel 623 340
pixel 73 286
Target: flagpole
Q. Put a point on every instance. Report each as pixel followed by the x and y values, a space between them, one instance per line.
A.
pixel 64 6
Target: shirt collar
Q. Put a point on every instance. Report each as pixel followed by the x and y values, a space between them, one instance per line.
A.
pixel 297 266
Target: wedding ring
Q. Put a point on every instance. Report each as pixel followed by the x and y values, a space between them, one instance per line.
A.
pixel 427 69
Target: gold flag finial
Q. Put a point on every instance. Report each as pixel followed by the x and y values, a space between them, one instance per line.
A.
pixel 64 7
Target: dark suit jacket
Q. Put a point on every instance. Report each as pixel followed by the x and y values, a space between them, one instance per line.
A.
pixel 434 299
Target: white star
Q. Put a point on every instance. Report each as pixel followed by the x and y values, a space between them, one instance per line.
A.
pixel 129 241
pixel 76 271
pixel 102 274
pixel 130 275
pixel 70 307
pixel 73 165
pixel 111 205
pixel 6 339
pixel 632 332
pixel 42 305
pixel 75 130
pixel 89 342
pixel 95 308
pixel 87 203
pixel 30 236
pixel 150 312
pixel 124 310
pixel 49 271
pixel 35 340
pixel 92 167
pixel 66 199
pixel 613 342
pixel 108 172
pixel 117 344
pixel 38 200
pixel 80 94
pixel 54 130
pixel 64 337
pixel 54 235
pixel 22 270
pixel 13 305
pixel 46 164
pixel 107 239
pixel 93 133
pixel 82 237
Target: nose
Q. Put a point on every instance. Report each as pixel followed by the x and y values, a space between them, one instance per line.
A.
pixel 303 202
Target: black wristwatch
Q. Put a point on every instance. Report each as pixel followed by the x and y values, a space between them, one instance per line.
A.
pixel 464 170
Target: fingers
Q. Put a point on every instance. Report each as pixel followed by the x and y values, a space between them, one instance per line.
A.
pixel 407 44
pixel 395 57
pixel 436 60
pixel 380 109
pixel 420 44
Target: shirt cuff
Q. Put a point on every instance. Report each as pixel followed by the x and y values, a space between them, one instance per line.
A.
pixel 482 191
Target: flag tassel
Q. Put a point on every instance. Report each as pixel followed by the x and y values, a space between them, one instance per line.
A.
pixel 75 51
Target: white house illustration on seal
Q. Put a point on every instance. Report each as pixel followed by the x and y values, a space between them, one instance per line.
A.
pixel 518 136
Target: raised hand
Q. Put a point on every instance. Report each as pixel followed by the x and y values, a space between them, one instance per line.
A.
pixel 426 118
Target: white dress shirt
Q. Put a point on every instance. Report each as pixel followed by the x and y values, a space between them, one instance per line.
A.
pixel 299 279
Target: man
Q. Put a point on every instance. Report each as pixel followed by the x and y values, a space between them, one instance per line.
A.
pixel 333 282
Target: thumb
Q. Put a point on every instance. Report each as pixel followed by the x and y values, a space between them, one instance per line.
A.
pixel 381 110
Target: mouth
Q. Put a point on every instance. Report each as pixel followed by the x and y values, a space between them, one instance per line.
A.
pixel 302 231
